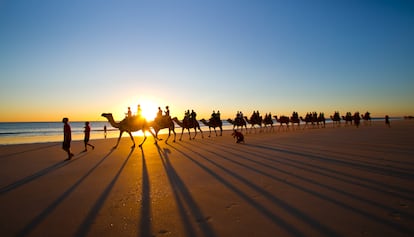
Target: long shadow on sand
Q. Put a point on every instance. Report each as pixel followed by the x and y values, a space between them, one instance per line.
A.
pixel 251 201
pixel 48 210
pixel 366 163
pixel 185 200
pixel 365 168
pixel 84 228
pixel 38 174
pixel 361 212
pixel 317 226
pixel 37 148
pixel 311 168
pixel 145 223
pixel 351 164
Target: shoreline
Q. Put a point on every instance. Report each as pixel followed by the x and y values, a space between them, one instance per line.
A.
pixel 97 133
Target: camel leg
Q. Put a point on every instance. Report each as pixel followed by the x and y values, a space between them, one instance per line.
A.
pixel 202 135
pixel 209 128
pixel 174 133
pixel 169 134
pixel 182 131
pixel 189 133
pixel 119 139
pixel 145 138
pixel 155 136
pixel 132 138
pixel 195 133
pixel 221 131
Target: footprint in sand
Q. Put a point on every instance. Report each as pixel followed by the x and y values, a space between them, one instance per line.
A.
pixel 229 207
pixel 204 219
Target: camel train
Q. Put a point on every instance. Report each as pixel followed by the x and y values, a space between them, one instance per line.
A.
pixel 312 120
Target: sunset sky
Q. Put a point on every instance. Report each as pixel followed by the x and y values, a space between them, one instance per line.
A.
pixel 78 59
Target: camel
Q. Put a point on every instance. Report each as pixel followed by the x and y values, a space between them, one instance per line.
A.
pixel 212 123
pixel 268 121
pixel 321 119
pixel 314 119
pixel 161 123
pixel 348 118
pixel 366 117
pixel 308 119
pixel 282 120
pixel 238 122
pixel 254 121
pixel 129 125
pixel 187 124
pixel 294 120
pixel 336 119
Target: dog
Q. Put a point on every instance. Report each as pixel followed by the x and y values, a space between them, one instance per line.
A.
pixel 239 136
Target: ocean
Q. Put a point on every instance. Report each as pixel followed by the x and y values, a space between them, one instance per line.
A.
pixel 40 132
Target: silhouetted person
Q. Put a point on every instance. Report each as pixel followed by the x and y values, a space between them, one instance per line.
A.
pixel 129 113
pixel 193 116
pixel 167 111
pixel 105 131
pixel 238 135
pixel 87 132
pixel 159 114
pixel 387 121
pixel 67 138
pixel 139 110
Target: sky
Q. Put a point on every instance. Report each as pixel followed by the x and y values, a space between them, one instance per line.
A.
pixel 78 59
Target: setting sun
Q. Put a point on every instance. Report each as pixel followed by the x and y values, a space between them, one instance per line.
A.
pixel 148 109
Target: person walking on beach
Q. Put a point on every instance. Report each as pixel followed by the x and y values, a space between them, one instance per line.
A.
pixel 105 131
pixel 387 121
pixel 67 138
pixel 87 132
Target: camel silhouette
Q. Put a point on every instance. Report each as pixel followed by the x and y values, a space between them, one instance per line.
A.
pixel 188 123
pixel 294 120
pixel 238 122
pixel 161 123
pixel 282 120
pixel 314 119
pixel 254 121
pixel 129 125
pixel 336 119
pixel 268 121
pixel 366 117
pixel 348 118
pixel 213 123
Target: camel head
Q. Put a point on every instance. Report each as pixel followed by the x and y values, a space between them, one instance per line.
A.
pixel 110 119
pixel 106 115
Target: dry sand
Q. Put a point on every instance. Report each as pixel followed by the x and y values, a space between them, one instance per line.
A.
pixel 342 181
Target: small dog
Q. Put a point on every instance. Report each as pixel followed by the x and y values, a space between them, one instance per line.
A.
pixel 239 136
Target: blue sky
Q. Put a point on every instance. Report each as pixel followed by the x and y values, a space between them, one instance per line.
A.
pixel 82 58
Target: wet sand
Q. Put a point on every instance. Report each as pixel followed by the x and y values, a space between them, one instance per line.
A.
pixel 333 181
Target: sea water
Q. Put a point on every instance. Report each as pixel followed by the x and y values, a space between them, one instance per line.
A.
pixel 38 132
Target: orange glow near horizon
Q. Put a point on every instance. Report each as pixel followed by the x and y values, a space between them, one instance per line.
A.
pixel 149 107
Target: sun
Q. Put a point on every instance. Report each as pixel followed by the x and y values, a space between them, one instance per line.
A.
pixel 148 109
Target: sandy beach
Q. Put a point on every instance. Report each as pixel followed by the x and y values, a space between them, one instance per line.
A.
pixel 333 181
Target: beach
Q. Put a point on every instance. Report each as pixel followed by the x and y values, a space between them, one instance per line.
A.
pixel 332 181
